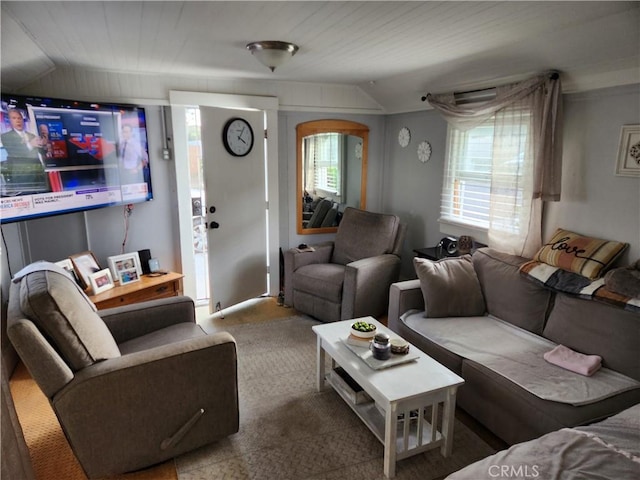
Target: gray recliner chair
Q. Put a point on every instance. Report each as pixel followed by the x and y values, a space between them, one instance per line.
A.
pixel 323 207
pixel 349 277
pixel 131 386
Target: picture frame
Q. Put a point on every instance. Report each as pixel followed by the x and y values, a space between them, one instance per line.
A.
pixel 84 264
pixel 101 281
pixel 67 264
pixel 125 268
pixel 154 265
pixel 628 160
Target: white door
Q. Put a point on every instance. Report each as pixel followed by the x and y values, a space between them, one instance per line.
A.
pixel 236 210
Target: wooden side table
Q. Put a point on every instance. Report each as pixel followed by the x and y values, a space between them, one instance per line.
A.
pixel 148 288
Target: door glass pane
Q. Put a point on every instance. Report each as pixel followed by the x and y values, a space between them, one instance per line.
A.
pixel 198 204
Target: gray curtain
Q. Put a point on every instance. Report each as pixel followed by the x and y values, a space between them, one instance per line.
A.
pixel 544 95
pixel 536 103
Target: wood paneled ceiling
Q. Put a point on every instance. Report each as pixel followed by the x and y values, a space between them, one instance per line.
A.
pixel 394 51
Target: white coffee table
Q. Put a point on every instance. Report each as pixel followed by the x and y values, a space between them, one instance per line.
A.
pixel 397 390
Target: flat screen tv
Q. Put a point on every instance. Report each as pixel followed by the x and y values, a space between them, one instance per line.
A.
pixel 61 156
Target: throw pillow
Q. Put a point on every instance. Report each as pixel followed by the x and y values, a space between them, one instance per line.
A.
pixel 450 287
pixel 587 256
pixel 507 295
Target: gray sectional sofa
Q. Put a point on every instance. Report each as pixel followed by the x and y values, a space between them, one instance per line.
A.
pixel 508 386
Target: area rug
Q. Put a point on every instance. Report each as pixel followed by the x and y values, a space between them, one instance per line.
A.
pixel 288 430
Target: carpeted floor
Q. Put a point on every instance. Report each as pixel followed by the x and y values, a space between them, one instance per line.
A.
pixel 290 431
pixel 287 429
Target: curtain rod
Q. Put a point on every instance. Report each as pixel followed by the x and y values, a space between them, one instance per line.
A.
pixel 552 76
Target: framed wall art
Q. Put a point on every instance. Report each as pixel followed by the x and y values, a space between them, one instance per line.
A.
pixel 628 162
pixel 125 268
pixel 84 264
pixel 101 281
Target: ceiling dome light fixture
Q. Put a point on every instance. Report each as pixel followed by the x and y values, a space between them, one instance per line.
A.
pixel 272 53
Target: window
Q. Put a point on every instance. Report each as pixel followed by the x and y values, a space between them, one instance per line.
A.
pixel 325 151
pixel 487 173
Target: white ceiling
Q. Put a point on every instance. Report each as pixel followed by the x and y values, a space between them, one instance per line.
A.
pixel 394 51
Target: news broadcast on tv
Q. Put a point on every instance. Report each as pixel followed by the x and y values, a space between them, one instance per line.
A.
pixel 59 156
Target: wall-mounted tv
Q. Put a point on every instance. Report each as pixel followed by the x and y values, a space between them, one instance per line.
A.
pixel 59 156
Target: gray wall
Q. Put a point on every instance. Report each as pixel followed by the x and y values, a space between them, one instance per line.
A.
pixel 594 202
pixel 412 188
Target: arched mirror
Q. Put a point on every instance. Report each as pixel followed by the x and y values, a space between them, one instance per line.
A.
pixel 332 172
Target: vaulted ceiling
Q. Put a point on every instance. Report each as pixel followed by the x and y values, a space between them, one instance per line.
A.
pixel 394 51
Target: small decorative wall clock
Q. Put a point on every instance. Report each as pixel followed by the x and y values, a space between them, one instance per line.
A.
pixel 359 151
pixel 404 137
pixel 628 164
pixel 424 151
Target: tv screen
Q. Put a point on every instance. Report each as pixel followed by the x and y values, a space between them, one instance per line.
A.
pixel 60 156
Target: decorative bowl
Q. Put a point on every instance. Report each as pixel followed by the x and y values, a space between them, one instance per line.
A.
pixel 363 330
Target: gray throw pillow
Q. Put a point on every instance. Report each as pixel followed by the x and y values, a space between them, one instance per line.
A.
pixel 450 287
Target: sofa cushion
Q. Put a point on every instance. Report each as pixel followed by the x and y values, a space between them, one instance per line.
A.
pixel 587 256
pixel 411 326
pixel 178 332
pixel 516 415
pixel 321 279
pixel 519 356
pixel 53 302
pixel 507 294
pixel 595 328
pixel 450 287
pixel 363 234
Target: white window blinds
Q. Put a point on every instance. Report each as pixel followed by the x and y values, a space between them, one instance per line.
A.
pixel 325 151
pixel 486 173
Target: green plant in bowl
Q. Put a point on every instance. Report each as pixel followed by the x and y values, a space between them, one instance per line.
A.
pixel 363 329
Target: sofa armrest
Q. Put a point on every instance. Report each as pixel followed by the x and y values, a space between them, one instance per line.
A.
pixel 366 285
pixel 403 296
pixel 293 260
pixel 131 405
pixel 44 363
pixel 131 321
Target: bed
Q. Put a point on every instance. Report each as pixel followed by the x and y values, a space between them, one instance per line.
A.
pixel 609 449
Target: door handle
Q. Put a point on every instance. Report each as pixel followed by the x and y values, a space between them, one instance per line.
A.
pixel 214 225
pixel 212 209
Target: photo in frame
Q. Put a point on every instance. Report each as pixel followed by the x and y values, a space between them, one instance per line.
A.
pixel 84 264
pixel 68 266
pixel 125 268
pixel 101 281
pixel 628 162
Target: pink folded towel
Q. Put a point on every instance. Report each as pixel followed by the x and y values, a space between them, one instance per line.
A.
pixel 576 362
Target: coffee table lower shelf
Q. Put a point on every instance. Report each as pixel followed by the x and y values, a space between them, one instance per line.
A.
pixel 412 437
pixel 421 391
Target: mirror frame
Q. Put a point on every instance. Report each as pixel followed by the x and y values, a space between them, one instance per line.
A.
pixel 346 127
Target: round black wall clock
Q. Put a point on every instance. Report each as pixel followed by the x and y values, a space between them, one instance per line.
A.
pixel 237 136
